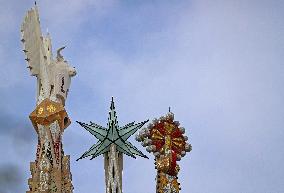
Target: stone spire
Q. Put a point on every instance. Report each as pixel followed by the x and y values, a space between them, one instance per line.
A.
pixel 113 144
pixel 51 169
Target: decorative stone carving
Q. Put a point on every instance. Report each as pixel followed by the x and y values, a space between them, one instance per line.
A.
pixel 48 112
pixel 51 169
pixel 164 137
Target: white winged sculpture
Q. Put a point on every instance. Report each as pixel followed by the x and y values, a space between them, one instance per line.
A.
pixel 53 75
pixel 51 169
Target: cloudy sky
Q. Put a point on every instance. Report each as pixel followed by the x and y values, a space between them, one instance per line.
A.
pixel 218 64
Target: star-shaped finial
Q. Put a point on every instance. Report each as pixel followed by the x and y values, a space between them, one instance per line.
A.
pixel 112 135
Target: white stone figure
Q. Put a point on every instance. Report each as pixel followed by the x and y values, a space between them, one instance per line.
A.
pixel 53 75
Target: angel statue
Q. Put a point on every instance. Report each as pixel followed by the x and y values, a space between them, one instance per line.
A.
pixel 51 169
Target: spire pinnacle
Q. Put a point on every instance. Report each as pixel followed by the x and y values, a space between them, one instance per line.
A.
pixel 112 104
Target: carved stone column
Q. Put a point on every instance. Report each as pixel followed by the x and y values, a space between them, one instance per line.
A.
pixel 51 169
pixel 113 170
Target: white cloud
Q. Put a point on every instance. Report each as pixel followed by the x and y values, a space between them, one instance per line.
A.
pixel 70 14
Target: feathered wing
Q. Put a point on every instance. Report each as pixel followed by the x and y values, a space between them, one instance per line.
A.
pixel 32 41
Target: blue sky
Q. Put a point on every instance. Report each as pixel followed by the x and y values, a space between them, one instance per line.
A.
pixel 218 64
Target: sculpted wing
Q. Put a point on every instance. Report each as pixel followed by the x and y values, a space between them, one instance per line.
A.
pixel 32 40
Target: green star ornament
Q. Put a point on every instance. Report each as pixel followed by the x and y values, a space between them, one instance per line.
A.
pixel 112 135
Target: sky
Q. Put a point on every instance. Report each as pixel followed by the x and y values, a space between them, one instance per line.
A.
pixel 218 64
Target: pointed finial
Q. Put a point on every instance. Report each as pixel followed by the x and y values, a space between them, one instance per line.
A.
pixel 170 115
pixel 35 2
pixel 112 104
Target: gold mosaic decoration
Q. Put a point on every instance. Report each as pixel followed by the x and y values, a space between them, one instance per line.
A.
pixel 49 111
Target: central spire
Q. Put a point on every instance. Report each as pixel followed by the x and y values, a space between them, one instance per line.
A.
pixel 113 144
pixel 112 135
